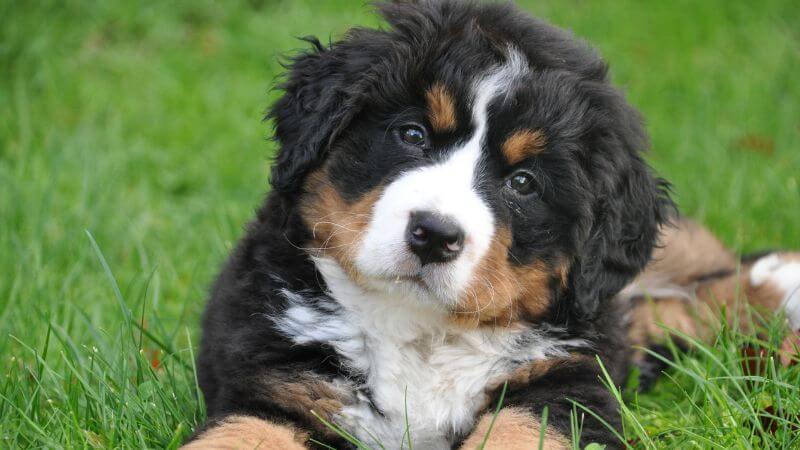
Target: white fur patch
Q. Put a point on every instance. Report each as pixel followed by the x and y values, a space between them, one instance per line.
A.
pixel 410 354
pixel 783 275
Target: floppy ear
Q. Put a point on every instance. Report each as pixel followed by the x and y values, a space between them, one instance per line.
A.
pixel 630 204
pixel 319 101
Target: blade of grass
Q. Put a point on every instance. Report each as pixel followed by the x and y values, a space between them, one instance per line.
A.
pixel 494 416
pixel 407 432
pixel 543 427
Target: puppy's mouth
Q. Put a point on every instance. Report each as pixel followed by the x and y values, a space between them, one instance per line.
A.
pixel 418 285
pixel 414 279
pixel 419 280
pixel 430 283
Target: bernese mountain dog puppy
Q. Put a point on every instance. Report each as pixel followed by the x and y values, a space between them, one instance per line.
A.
pixel 459 207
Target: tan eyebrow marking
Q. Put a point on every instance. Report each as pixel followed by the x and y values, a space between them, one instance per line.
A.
pixel 523 144
pixel 441 108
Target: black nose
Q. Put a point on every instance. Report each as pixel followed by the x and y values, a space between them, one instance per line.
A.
pixel 434 238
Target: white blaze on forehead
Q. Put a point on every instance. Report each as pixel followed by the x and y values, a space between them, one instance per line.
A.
pixel 447 188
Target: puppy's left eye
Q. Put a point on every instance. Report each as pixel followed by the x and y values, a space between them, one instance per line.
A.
pixel 413 135
pixel 522 182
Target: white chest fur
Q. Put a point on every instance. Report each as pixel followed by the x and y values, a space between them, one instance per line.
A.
pixel 413 361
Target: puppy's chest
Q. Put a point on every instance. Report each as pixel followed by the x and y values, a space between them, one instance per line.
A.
pixel 415 372
pixel 434 385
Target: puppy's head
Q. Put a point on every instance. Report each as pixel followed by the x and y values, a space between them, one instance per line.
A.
pixel 471 156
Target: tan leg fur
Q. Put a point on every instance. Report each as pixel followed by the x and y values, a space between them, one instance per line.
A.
pixel 514 429
pixel 243 432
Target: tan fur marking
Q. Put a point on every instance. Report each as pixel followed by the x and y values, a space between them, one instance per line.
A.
pixel 441 108
pixel 698 316
pixel 685 251
pixel 689 252
pixel 563 274
pixel 523 144
pixel 648 317
pixel 514 429
pixel 501 292
pixel 336 225
pixel 535 370
pixel 735 292
pixel 306 396
pixel 243 432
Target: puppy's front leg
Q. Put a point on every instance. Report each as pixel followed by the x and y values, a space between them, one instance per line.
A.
pixel 556 384
pixel 514 429
pixel 246 432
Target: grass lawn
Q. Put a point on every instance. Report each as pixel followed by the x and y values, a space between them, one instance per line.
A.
pixel 132 152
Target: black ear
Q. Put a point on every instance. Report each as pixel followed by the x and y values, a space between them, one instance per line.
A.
pixel 320 99
pixel 630 205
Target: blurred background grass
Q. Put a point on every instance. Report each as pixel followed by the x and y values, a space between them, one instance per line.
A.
pixel 140 122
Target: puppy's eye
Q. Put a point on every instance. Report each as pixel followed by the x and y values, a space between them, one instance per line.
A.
pixel 522 182
pixel 413 135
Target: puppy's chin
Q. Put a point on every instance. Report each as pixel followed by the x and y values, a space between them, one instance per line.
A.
pixel 411 290
pixel 405 278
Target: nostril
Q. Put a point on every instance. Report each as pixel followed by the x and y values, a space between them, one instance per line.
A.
pixel 433 237
pixel 453 246
pixel 420 233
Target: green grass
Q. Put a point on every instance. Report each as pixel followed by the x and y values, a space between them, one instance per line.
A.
pixel 140 123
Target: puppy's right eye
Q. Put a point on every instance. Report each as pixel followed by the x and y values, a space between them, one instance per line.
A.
pixel 522 182
pixel 413 135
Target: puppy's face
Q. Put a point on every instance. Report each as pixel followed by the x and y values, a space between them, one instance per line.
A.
pixel 472 173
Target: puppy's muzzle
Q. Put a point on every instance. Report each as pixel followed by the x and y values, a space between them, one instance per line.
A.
pixel 434 238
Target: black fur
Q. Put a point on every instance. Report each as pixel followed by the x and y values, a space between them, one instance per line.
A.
pixel 599 206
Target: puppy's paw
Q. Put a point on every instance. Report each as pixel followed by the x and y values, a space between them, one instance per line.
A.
pixel 513 429
pixel 243 432
pixel 780 272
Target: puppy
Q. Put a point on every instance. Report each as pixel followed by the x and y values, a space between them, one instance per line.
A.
pixel 459 207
